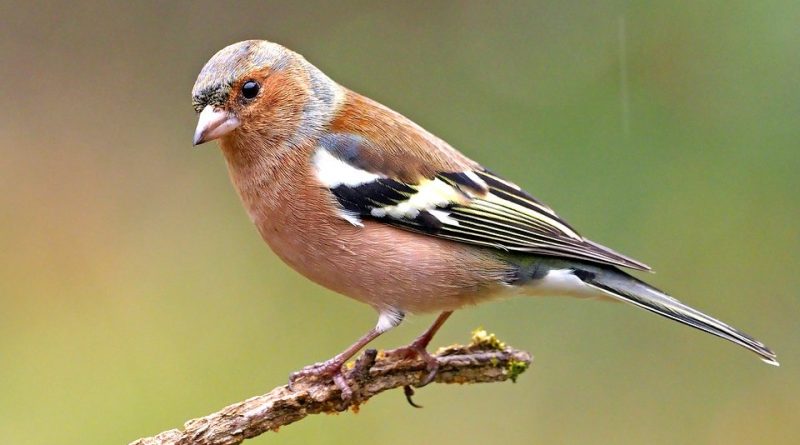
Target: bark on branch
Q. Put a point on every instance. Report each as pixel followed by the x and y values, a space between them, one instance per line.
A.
pixel 484 360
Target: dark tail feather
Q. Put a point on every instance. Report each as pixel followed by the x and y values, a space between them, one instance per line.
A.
pixel 622 286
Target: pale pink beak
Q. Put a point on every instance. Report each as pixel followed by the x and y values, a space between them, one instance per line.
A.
pixel 213 124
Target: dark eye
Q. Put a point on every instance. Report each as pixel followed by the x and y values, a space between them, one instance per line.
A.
pixel 249 89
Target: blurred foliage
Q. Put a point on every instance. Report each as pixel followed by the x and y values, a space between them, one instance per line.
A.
pixel 135 294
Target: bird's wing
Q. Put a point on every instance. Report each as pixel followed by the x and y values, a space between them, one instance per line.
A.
pixel 472 206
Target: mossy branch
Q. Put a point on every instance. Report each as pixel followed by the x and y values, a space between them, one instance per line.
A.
pixel 484 360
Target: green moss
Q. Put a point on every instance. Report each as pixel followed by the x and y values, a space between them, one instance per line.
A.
pixel 486 340
pixel 483 340
pixel 515 368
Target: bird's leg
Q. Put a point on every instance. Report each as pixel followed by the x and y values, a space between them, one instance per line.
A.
pixel 332 368
pixel 419 348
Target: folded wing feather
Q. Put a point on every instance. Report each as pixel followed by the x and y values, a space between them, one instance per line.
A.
pixel 473 206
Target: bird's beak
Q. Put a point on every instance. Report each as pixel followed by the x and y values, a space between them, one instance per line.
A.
pixel 213 124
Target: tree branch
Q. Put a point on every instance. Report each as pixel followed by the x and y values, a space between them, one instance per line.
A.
pixel 484 360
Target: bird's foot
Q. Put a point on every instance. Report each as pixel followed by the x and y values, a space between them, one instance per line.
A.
pixel 329 369
pixel 418 350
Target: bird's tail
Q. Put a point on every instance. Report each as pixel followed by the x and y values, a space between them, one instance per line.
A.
pixel 621 286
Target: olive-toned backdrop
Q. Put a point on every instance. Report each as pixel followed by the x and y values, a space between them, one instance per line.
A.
pixel 134 293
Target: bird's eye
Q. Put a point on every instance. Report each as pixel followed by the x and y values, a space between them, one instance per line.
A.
pixel 249 89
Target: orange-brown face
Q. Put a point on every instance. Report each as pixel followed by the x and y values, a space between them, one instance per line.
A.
pixel 250 89
pixel 275 112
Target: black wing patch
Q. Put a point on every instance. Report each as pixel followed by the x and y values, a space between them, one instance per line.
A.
pixel 379 193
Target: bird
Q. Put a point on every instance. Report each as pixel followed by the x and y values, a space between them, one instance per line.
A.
pixel 363 201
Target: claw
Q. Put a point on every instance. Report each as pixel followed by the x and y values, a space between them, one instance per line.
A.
pixel 432 366
pixel 409 393
pixel 341 383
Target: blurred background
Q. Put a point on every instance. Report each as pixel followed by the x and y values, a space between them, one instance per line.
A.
pixel 136 295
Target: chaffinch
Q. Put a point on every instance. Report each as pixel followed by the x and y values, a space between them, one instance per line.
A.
pixel 360 199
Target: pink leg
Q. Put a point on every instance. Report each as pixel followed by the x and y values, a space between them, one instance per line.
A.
pixel 333 368
pixel 425 339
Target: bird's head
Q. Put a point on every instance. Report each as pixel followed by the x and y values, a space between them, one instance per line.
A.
pixel 259 89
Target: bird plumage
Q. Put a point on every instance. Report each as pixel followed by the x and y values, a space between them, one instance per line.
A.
pixel 362 200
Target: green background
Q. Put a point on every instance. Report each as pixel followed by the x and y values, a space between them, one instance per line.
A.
pixel 135 293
